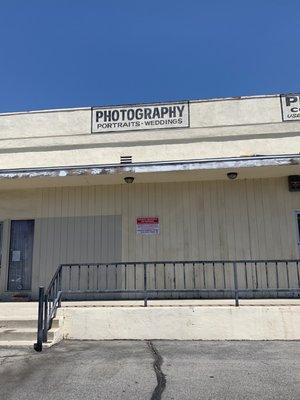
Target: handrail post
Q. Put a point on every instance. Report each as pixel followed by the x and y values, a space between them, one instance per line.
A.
pixel 145 285
pixel 45 330
pixel 236 284
pixel 59 284
pixel 38 346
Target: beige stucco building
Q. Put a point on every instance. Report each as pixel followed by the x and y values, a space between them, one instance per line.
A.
pixel 63 198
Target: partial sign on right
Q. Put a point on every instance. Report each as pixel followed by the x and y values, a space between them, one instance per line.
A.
pixel 290 107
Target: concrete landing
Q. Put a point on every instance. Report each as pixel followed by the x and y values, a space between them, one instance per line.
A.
pixel 271 319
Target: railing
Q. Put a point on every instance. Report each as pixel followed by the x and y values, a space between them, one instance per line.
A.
pixel 49 302
pixel 167 279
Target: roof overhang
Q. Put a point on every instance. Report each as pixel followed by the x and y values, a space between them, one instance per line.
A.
pixel 170 171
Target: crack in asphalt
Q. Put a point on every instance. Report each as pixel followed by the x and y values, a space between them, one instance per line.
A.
pixel 160 376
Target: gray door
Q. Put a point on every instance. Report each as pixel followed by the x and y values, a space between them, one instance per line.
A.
pixel 20 255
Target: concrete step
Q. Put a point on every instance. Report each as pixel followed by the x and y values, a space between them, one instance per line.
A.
pixel 18 325
pixel 8 323
pixel 22 334
pixel 13 344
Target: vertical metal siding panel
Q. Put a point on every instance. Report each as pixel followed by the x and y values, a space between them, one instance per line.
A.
pixel 221 234
pixel 230 210
pixel 236 214
pixel 104 255
pixel 47 244
pixel 104 240
pixel 254 249
pixel 252 220
pixel 118 238
pixel 193 215
pixel 162 202
pixel 179 230
pixel 272 238
pixel 52 243
pixel 260 219
pixel 146 211
pixel 117 221
pixel 184 200
pixel 83 225
pixel 58 228
pixel 266 219
pixel 90 200
pixel 90 204
pixel 40 244
pixel 64 227
pixel 167 227
pixel 138 210
pixel 288 239
pixel 293 205
pixel 245 241
pixel 81 236
pixel 201 221
pixel 288 227
pixel 224 235
pixel 131 223
pixel 125 222
pixel 77 245
pixel 126 218
pixel 215 220
pixel 280 211
pixel 35 278
pixel 36 266
pixel 98 224
pixel 71 223
pixel 160 241
pixel 207 221
pixel 177 221
pixel 84 238
pixel 160 212
pixel 152 210
pixel 110 237
pixel 244 272
pixel 106 203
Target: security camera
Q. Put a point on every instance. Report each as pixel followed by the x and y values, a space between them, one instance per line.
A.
pixel 129 179
pixel 232 175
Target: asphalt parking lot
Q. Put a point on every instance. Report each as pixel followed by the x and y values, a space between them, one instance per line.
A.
pixel 153 370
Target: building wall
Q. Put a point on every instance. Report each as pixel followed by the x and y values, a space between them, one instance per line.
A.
pixel 243 219
pixel 219 128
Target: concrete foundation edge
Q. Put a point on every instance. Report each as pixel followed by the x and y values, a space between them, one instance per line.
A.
pixel 182 323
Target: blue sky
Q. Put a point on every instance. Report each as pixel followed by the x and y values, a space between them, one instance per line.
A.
pixel 72 53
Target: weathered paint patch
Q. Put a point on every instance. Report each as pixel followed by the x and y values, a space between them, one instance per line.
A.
pixel 152 168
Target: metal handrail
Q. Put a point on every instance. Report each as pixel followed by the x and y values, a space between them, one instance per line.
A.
pixel 236 270
pixel 49 302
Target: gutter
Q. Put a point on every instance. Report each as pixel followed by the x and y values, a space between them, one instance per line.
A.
pixel 152 167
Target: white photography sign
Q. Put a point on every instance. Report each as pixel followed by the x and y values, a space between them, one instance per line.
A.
pixel 132 118
pixel 290 106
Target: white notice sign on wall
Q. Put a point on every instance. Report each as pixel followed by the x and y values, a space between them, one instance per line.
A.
pixel 147 226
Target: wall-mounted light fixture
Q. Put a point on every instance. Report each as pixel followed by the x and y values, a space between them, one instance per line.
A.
pixel 129 179
pixel 232 175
